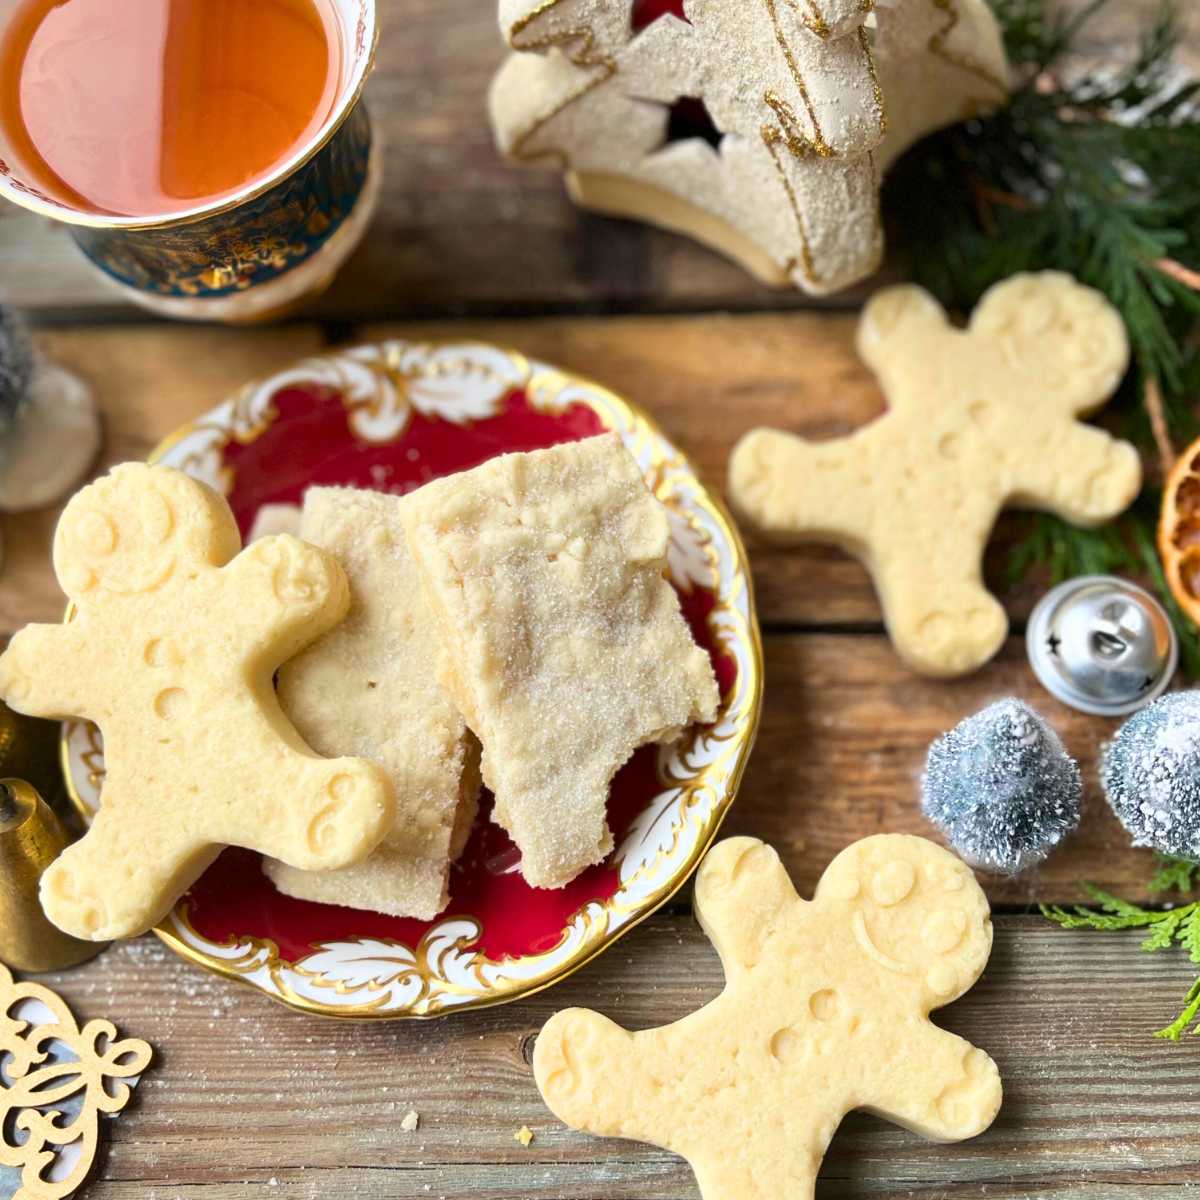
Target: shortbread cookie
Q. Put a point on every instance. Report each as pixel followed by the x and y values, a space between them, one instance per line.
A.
pixel 275 518
pixel 977 419
pixel 171 652
pixel 825 1009
pixel 370 687
pixel 564 645
pixel 803 102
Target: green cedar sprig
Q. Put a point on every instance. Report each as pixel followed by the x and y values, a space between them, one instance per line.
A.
pixel 1166 928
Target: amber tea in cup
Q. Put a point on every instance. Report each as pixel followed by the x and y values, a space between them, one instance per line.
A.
pixel 147 107
pixel 169 115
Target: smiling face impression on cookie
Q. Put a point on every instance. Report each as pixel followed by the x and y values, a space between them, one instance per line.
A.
pixel 126 536
pixel 915 912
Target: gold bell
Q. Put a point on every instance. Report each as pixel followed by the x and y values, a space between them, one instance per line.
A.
pixel 31 838
pixel 29 750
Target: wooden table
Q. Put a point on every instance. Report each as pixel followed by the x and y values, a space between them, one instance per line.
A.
pixel 250 1099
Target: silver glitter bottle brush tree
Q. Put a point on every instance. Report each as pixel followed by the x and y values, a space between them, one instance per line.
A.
pixel 49 428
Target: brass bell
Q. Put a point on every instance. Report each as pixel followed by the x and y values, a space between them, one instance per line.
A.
pixel 31 838
pixel 29 750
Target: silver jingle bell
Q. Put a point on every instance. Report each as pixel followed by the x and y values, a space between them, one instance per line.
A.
pixel 1102 645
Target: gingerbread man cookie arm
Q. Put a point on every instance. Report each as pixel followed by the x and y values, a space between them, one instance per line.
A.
pixel 893 321
pixel 295 592
pixel 1104 480
pixel 956 1096
pixel 41 675
pixel 795 490
pixel 742 893
pixel 587 1069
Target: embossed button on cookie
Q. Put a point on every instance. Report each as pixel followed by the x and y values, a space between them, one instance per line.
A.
pixel 825 1009
pixel 1102 645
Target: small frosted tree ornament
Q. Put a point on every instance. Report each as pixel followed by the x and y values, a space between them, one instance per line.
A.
pixel 1151 775
pixel 1002 789
pixel 49 429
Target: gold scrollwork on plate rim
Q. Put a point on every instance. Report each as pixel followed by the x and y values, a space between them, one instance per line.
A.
pixel 380 386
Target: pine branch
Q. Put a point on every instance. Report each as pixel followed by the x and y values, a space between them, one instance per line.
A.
pixel 1175 874
pixel 1094 176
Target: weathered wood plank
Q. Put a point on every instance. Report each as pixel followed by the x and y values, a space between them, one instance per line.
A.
pixel 844 736
pixel 248 1096
pixel 846 726
pixel 707 380
pixel 459 230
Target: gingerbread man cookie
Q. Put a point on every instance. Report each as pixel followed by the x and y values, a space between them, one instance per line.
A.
pixel 171 652
pixel 825 1009
pixel 802 96
pixel 977 419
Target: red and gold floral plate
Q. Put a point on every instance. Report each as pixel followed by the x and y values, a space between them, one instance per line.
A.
pixel 392 417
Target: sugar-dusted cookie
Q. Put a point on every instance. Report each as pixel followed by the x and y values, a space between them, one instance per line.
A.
pixel 564 646
pixel 977 419
pixel 825 1009
pixel 171 652
pixel 369 686
pixel 788 105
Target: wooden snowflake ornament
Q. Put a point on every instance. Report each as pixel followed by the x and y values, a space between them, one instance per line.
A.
pixel 807 99
pixel 56 1081
pixel 825 1009
pixel 977 419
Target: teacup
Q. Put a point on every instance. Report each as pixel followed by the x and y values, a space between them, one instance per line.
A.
pixel 251 255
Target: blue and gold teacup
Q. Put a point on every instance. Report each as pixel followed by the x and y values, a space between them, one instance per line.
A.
pixel 263 250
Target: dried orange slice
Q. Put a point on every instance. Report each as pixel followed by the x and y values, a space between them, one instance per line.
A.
pixel 1179 531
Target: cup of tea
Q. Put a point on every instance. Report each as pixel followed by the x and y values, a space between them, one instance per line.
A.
pixel 212 157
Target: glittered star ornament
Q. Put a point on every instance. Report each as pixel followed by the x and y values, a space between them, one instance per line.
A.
pixel 808 99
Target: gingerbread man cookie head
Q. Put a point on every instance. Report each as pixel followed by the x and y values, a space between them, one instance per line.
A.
pixel 135 529
pixel 1066 339
pixel 915 914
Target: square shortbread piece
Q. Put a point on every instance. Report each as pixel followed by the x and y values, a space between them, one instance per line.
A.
pixel 370 686
pixel 564 644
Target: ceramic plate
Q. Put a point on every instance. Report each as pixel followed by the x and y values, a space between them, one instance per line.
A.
pixel 392 417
